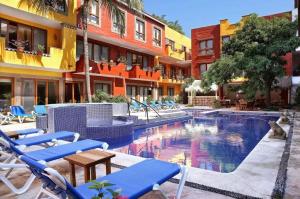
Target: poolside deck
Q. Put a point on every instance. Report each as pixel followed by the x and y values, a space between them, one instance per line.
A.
pixel 19 176
pixel 256 183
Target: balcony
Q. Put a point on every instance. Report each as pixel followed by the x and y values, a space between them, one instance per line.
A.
pixel 103 68
pixel 167 79
pixel 178 53
pixel 55 61
pixel 137 73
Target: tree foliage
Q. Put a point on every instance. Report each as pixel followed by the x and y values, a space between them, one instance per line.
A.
pixel 175 25
pixel 255 52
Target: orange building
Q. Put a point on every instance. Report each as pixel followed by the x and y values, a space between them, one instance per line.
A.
pixel 119 64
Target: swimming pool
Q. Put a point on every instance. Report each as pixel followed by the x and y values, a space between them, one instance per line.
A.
pixel 217 142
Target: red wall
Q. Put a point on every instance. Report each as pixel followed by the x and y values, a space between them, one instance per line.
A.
pixel 105 29
pixel 204 33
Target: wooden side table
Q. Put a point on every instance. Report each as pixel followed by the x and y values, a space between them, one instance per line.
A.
pixel 12 134
pixel 88 160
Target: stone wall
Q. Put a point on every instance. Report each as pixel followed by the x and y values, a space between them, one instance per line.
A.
pixel 203 100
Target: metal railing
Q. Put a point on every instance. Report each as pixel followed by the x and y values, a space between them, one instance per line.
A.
pixel 146 108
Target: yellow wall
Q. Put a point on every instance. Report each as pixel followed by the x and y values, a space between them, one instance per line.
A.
pixel 69 17
pixel 61 43
pixel 228 29
pixel 180 40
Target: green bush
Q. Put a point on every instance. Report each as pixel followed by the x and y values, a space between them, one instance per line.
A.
pixel 297 97
pixel 101 96
pixel 119 99
pixel 168 98
pixel 216 104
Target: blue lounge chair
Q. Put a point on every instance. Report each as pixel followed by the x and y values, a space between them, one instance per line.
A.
pixel 49 139
pixel 135 107
pixel 163 105
pixel 43 156
pixel 174 103
pixel 5 119
pixel 170 105
pixel 40 110
pixel 28 132
pixel 154 105
pixel 19 112
pixel 152 172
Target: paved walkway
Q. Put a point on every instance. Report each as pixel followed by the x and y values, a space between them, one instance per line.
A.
pixel 293 173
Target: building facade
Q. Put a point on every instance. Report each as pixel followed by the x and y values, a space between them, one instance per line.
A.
pixel 207 45
pixel 36 49
pixel 41 55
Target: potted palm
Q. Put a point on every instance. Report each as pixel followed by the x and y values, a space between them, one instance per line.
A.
pixel 40 50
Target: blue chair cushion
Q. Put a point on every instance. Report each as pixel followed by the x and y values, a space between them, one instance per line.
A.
pixel 40 110
pixel 44 138
pixel 54 153
pixel 136 180
pixel 28 131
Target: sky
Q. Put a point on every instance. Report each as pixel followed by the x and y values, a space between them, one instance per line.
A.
pixel 198 13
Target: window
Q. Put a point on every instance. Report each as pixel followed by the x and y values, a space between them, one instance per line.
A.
pixel 171 43
pixel 206 47
pixel 94 12
pixel 140 30
pixel 171 92
pixel 225 39
pixel 29 36
pixel 129 61
pixel 103 87
pixel 39 38
pixel 58 5
pixel 130 91
pixel 145 63
pixel 118 22
pixel 137 59
pixel 79 49
pixel 172 72
pixel 160 92
pixel 156 37
pixel 204 67
pixel 183 48
pixel 97 52
pixel 3 28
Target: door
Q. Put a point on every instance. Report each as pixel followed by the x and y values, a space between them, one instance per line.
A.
pixel 5 93
pixel 41 92
pixel 73 92
pixel 28 94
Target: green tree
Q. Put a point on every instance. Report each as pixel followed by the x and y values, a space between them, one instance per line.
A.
pixel 255 52
pixel 175 25
pixel 113 9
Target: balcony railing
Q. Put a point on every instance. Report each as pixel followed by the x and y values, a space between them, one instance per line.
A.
pixel 137 72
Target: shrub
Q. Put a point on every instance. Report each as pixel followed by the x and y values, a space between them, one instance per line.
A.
pixel 119 99
pixel 101 96
pixel 297 97
pixel 216 104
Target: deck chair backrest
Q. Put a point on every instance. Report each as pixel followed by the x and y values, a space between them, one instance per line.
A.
pixel 17 110
pixel 51 179
pixel 9 147
pixel 40 109
pixel 8 139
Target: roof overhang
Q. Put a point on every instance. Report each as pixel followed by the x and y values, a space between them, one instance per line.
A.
pixel 174 61
pixel 18 66
pixel 99 75
pixel 13 12
pixel 120 42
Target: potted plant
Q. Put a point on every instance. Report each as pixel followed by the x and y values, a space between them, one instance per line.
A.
pixel 40 49
pixel 122 59
pixel 20 45
pixel 157 67
pixel 103 187
pixel 112 63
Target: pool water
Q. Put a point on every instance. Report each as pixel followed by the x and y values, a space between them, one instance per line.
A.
pixel 218 142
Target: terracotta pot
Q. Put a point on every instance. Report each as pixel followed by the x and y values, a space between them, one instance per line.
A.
pixel 20 49
pixel 39 53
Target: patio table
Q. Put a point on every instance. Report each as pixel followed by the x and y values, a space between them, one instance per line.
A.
pixel 88 160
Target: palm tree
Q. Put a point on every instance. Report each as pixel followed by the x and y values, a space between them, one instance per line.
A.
pixel 113 9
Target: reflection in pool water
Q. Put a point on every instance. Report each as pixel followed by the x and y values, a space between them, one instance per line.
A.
pixel 219 142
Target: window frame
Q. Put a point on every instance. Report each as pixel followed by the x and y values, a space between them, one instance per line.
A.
pixel 99 15
pixel 125 23
pixel 145 29
pixel 207 48
pixel 154 40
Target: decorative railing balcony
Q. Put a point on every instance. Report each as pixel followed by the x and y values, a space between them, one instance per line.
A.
pixel 137 72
